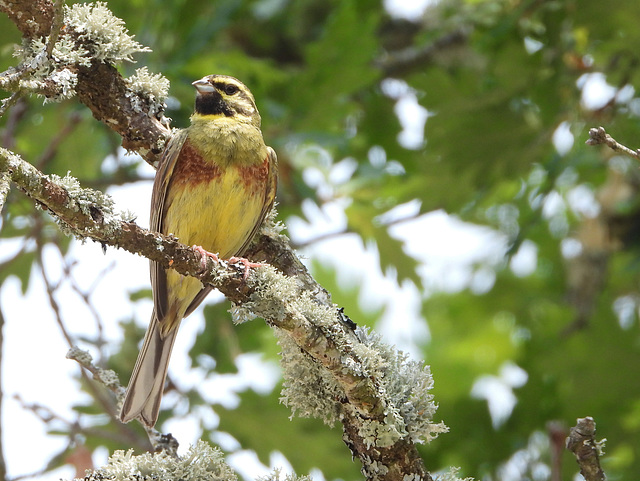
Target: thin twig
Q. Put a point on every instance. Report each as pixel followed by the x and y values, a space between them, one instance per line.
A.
pixel 110 380
pixel 582 443
pixel 410 59
pixel 85 295
pixel 598 136
pixel 47 416
pixel 56 25
pixel 9 102
pixel 104 401
pixel 340 233
pixel 51 288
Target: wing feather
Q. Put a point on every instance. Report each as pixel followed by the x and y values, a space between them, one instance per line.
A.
pixel 269 197
pixel 158 207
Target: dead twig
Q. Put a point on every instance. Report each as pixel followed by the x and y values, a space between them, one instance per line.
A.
pixel 582 442
pixel 598 136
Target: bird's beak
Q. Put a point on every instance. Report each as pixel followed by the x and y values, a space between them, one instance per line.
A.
pixel 203 86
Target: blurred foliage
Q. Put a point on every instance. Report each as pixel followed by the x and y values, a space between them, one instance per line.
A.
pixel 498 78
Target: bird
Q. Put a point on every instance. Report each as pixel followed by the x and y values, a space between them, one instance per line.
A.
pixel 216 181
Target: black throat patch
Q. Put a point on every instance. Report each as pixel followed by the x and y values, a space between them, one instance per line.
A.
pixel 212 104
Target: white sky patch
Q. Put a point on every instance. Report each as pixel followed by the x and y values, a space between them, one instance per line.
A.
pixel 408 9
pixel 596 92
pixel 531 45
pixel 498 391
pixel 530 462
pixel 247 465
pixel 411 115
pixel 525 261
pixel 563 138
pixel 413 118
pixel 448 248
pixel 582 201
pixel 570 248
pixel 553 205
pixel 626 308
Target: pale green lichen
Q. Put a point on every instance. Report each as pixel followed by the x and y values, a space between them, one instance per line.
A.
pixel 451 475
pixel 151 85
pixel 66 51
pixel 200 463
pixel 148 91
pixel 91 203
pixel 308 389
pixel 373 469
pixel 44 72
pixel 103 34
pixel 276 475
pixel 401 385
pixel 272 227
pixel 66 81
pixel 379 434
pixel 273 288
pixel 91 32
pixel 107 377
pixel 406 383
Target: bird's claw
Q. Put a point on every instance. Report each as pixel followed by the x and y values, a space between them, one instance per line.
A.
pixel 204 254
pixel 246 263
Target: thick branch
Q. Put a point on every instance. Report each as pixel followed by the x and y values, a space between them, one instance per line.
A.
pixel 380 426
pixel 102 89
pixel 32 17
pixel 99 86
pixel 294 303
pixel 582 442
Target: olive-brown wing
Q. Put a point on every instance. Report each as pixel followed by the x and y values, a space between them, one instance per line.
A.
pixel 161 185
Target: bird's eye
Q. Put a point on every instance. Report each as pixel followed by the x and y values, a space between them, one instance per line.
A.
pixel 230 89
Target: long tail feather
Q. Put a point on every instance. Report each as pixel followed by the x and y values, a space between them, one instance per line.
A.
pixel 147 381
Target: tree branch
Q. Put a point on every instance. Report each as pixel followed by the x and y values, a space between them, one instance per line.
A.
pixel 582 443
pixel 380 397
pixel 98 84
pixel 332 369
pixel 32 17
pixel 598 136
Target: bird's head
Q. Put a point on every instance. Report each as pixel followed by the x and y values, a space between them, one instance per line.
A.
pixel 224 96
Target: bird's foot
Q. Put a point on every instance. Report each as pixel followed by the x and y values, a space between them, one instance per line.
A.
pixel 204 254
pixel 246 263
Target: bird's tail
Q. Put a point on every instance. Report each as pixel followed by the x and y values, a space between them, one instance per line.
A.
pixel 144 393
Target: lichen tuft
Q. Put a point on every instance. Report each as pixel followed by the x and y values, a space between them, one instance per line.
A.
pixel 148 90
pixel 276 475
pixel 104 34
pixel 308 388
pixel 90 33
pixel 201 463
pixel 406 383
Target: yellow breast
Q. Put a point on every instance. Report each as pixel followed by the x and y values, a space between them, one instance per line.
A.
pixel 218 214
pixel 211 206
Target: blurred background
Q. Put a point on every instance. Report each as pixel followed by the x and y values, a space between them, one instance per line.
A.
pixel 434 175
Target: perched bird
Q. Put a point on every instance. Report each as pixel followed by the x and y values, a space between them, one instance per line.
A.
pixel 216 182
